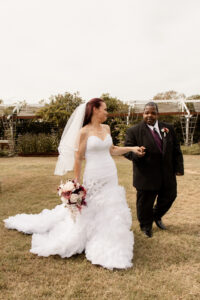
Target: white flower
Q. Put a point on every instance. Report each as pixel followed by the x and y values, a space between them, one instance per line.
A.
pixel 165 130
pixel 64 200
pixel 69 186
pixel 77 185
pixel 59 191
pixel 74 198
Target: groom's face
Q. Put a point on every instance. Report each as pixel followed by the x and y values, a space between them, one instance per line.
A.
pixel 150 115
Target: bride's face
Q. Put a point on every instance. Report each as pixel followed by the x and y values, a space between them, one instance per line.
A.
pixel 101 112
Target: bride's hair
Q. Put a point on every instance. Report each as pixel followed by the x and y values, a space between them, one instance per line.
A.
pixel 95 102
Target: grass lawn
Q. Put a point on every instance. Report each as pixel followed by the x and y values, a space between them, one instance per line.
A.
pixel 166 266
pixel 191 150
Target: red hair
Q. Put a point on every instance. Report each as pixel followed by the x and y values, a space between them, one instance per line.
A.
pixel 95 102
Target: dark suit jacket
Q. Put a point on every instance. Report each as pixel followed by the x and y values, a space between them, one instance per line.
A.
pixel 155 169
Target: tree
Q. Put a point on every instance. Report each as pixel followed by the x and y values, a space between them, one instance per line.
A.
pixel 42 102
pixel 114 105
pixel 169 95
pixel 194 97
pixel 117 119
pixel 60 108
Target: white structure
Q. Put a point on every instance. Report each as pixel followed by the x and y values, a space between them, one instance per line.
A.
pixel 187 109
pixel 9 115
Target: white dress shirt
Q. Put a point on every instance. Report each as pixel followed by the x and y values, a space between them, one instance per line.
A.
pixel 156 128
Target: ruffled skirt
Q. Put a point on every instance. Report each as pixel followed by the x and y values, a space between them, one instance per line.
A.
pixel 101 229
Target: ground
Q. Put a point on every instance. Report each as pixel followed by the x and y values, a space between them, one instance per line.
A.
pixel 166 266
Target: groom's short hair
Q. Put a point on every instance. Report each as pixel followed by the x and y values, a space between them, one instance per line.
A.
pixel 151 103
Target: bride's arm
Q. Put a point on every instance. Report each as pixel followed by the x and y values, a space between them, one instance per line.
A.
pixel 79 154
pixel 115 150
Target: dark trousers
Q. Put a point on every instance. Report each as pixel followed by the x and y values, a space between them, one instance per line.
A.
pixel 147 212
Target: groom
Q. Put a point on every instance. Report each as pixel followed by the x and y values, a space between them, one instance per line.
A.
pixel 154 174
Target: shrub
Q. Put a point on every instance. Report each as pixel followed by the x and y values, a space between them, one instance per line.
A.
pixel 37 143
pixel 3 153
pixel 34 127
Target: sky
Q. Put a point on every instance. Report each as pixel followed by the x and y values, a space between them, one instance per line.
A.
pixel 131 49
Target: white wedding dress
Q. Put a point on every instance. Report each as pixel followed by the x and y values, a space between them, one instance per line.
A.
pixel 102 229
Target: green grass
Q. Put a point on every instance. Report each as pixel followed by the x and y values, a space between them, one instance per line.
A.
pixel 165 267
pixel 191 150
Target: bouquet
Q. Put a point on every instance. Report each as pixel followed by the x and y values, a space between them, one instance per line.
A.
pixel 72 196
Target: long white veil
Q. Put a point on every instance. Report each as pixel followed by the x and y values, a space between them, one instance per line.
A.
pixel 69 141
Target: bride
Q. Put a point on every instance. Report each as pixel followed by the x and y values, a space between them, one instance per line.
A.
pixel 102 229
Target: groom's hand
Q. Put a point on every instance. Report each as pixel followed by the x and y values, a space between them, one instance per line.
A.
pixel 141 151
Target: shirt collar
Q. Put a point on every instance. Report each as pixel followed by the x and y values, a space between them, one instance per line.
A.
pixel 155 126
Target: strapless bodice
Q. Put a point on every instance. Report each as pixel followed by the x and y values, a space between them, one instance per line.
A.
pixel 99 162
pixel 97 147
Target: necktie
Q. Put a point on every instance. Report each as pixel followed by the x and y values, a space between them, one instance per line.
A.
pixel 157 139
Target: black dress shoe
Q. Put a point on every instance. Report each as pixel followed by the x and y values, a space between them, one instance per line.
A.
pixel 160 224
pixel 147 231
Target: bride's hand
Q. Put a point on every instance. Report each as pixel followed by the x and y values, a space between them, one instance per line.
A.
pixel 77 180
pixel 139 151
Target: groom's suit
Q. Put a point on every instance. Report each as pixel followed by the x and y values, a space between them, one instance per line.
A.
pixel 154 174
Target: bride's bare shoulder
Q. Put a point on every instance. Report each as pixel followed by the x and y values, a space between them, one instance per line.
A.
pixel 106 127
pixel 84 131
